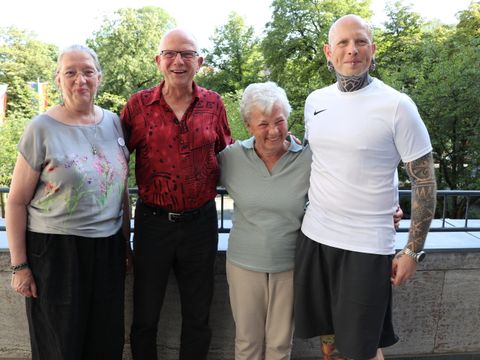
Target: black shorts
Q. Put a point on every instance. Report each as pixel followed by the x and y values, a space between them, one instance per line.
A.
pixel 345 293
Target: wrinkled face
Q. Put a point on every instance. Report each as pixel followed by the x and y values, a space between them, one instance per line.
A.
pixel 180 69
pixel 350 48
pixel 270 130
pixel 77 78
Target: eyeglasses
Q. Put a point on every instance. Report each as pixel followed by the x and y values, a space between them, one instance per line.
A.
pixel 87 74
pixel 172 54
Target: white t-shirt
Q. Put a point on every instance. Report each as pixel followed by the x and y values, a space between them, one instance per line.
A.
pixel 357 140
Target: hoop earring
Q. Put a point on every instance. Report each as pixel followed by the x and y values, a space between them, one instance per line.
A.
pixel 330 66
pixel 373 65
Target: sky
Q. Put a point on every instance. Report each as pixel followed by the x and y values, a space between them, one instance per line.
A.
pixel 64 22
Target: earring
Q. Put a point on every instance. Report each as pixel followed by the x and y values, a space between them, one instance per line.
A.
pixel 373 65
pixel 330 66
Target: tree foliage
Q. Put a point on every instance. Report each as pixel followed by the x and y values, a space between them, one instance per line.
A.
pixel 10 132
pixel 235 60
pixel 237 126
pixel 126 45
pixel 399 47
pixel 447 96
pixel 435 64
pixel 293 46
pixel 25 59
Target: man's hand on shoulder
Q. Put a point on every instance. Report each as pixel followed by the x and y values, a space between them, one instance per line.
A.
pixel 294 138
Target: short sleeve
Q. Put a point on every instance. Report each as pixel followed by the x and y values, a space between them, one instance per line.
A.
pixel 411 136
pixel 32 144
pixel 119 134
pixel 223 129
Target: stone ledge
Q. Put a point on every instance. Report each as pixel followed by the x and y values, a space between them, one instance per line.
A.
pixel 436 314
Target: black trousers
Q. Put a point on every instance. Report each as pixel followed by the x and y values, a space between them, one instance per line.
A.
pixel 79 312
pixel 189 249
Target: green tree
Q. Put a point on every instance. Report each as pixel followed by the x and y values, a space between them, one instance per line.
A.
pixel 232 106
pixel 447 96
pixel 437 65
pixel 293 46
pixel 22 59
pixel 126 45
pixel 235 60
pixel 10 132
pixel 399 47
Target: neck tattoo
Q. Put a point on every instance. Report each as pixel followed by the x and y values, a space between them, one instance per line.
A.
pixel 353 83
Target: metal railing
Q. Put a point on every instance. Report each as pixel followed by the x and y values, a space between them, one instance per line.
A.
pixel 471 198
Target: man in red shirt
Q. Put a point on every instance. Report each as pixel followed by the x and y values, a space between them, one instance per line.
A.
pixel 176 130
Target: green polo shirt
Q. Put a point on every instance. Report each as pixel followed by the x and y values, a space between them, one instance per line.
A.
pixel 268 206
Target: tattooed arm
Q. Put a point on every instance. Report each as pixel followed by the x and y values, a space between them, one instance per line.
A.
pixel 424 198
pixel 424 189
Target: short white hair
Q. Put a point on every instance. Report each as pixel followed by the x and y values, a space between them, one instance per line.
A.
pixel 263 97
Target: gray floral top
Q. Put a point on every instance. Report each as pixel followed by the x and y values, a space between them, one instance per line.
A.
pixel 82 176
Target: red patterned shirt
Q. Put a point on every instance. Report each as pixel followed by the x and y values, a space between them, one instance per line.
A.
pixel 176 166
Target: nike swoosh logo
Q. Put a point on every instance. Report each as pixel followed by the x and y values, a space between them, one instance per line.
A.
pixel 318 112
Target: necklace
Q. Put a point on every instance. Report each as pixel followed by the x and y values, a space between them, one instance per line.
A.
pixel 92 144
pixel 94 148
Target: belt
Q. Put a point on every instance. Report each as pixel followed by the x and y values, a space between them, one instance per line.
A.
pixel 183 216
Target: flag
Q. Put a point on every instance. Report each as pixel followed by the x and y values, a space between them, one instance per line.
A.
pixel 42 94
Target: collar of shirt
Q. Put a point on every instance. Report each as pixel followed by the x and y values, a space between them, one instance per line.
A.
pixel 294 147
pixel 156 94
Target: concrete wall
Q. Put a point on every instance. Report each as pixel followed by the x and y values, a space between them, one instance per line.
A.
pixel 437 312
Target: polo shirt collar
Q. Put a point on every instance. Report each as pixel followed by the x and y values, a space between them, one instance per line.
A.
pixel 294 147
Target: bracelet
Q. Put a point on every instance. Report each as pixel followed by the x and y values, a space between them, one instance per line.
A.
pixel 19 267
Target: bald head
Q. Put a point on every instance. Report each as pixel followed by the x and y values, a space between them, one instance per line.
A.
pixel 349 20
pixel 180 37
pixel 350 47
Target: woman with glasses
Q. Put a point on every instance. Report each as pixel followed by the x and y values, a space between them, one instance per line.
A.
pixel 267 176
pixel 66 207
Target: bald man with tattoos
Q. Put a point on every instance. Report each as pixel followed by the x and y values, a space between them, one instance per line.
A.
pixel 359 129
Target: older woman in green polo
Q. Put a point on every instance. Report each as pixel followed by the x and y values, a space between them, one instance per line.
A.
pixel 267 176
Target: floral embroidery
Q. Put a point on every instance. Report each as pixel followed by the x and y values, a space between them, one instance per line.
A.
pixel 74 184
pixel 106 175
pixel 49 190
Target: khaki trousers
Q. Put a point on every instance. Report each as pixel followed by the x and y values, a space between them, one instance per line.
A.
pixel 262 307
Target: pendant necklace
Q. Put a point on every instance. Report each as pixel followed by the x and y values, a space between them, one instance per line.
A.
pixel 94 148
pixel 92 144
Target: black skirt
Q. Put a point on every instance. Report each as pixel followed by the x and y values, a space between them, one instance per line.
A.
pixel 345 293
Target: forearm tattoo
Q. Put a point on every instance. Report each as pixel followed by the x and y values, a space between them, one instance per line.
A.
pixel 424 198
pixel 353 83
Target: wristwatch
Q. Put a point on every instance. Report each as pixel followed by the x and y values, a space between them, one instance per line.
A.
pixel 418 257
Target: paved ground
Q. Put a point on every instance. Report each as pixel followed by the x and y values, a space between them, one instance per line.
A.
pixel 475 356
